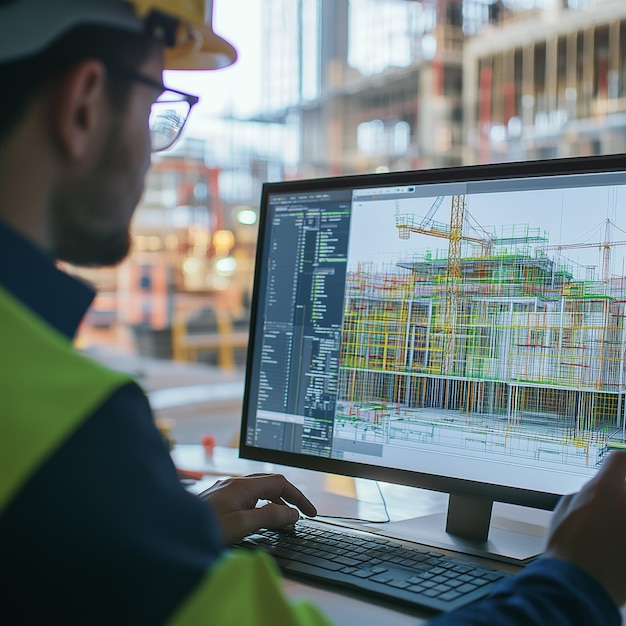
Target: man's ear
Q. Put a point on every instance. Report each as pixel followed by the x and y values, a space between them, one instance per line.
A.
pixel 80 108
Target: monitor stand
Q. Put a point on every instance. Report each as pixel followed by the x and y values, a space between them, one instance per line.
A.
pixel 469 527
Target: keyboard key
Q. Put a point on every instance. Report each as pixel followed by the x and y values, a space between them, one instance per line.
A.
pixel 418 558
pixel 382 578
pixel 439 579
pixel 450 595
pixel 344 560
pixel 438 570
pixel 400 584
pixel 320 562
pixel 422 567
pixel 283 553
pixel 465 578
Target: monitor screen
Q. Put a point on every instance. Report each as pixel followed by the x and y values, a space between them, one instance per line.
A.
pixel 459 329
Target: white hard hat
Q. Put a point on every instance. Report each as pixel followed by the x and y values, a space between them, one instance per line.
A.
pixel 29 26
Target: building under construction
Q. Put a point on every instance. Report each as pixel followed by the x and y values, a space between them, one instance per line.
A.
pixel 513 355
pixel 368 84
pixel 547 83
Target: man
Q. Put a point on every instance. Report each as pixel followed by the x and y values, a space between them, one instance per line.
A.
pixel 95 527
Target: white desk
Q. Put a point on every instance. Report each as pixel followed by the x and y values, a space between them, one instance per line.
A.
pixel 342 496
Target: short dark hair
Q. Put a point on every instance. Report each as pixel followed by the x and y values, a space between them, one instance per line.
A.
pixel 21 80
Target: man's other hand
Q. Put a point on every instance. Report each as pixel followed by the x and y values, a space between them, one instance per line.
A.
pixel 589 527
pixel 235 500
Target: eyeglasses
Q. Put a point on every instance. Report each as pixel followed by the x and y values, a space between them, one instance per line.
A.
pixel 169 111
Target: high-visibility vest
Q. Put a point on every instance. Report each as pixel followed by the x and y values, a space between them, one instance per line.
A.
pixel 47 390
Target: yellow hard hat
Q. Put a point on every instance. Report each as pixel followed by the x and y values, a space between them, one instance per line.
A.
pixel 29 26
pixel 196 46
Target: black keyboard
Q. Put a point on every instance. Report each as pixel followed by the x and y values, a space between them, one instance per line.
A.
pixel 372 564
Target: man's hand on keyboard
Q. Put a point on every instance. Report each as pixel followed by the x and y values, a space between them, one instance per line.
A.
pixel 588 527
pixel 235 500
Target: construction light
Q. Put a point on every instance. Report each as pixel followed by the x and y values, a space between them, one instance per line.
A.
pixel 223 240
pixel 246 216
pixel 226 266
pixel 191 265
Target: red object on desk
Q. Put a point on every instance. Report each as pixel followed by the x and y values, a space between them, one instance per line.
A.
pixel 190 474
pixel 208 443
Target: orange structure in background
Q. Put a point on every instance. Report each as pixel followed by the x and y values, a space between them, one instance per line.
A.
pixel 172 275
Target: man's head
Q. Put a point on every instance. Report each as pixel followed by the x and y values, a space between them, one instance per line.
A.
pixel 75 133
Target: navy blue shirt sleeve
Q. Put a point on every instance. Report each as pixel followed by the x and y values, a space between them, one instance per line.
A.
pixel 549 592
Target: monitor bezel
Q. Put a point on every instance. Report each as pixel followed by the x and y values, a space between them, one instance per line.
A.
pixel 596 164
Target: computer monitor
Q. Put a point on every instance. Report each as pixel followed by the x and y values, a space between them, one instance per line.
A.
pixel 457 329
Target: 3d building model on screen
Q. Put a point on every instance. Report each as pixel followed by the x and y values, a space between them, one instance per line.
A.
pixel 498 345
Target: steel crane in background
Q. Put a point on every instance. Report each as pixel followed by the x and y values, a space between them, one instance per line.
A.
pixel 407 224
pixel 605 246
